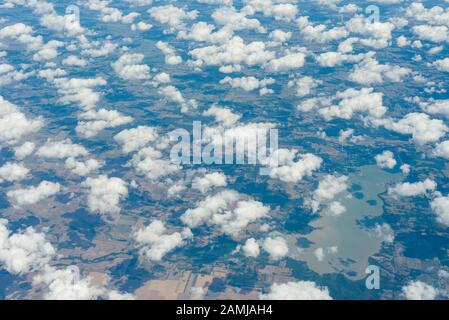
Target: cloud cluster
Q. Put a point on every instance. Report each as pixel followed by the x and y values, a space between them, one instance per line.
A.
pixel 32 195
pixel 386 160
pixel 418 290
pixel 155 242
pixel 292 166
pixel 14 125
pixel 227 210
pixel 300 290
pixel 408 189
pixel 24 251
pixel 105 194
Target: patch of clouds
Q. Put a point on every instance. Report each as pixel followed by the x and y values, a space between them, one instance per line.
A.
pixel 32 195
pixel 386 160
pixel 299 290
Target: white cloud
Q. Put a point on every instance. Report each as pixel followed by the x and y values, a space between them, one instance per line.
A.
pixel 129 67
pixel 105 194
pixel 79 91
pixel 173 16
pixel 234 20
pixel 285 10
pixel 251 248
pixel 386 160
pixel 33 195
pixel 440 206
pixel 208 181
pixel 236 51
pixel 136 138
pixel 62 284
pixel 379 33
pixel 61 150
pixel 305 85
pixel 13 172
pixel 150 162
pixel 95 121
pixel 171 93
pixel 300 290
pixel 328 188
pixel 14 125
pixel 248 83
pixel 24 150
pixel 293 167
pixel 24 251
pixel 286 63
pixel 74 61
pixel 171 57
pixel 8 74
pixel 369 71
pixel 422 128
pixel 227 210
pixel 156 242
pixel 408 189
pixel 280 36
pixel 276 247
pixel 418 290
pixel 442 150
pixel 222 115
pixel 83 168
pixel 442 65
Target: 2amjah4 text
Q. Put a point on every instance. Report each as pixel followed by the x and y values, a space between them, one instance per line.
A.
pixel 231 309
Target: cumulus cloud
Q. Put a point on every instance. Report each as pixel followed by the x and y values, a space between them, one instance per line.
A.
pixel 62 284
pixel 136 138
pixel 32 195
pixel 23 251
pixel 150 162
pixel 208 181
pixel 440 206
pixel 370 71
pixel 422 128
pixel 352 101
pixel 174 17
pixel 61 150
pixel 276 247
pixel 171 57
pixel 24 150
pixel 156 242
pixel 228 210
pixel 442 65
pixel 251 248
pixel 14 125
pixel 418 290
pixel 79 91
pixel 9 74
pixel 386 160
pixel 105 194
pixel 129 67
pixel 328 188
pixel 13 172
pixel 292 166
pixel 249 83
pixel 94 121
pixel 224 116
pixel 83 168
pixel 300 290
pixel 236 52
pixel 408 189
pixel 74 61
pixel 172 94
pixel 442 150
pixel 305 85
